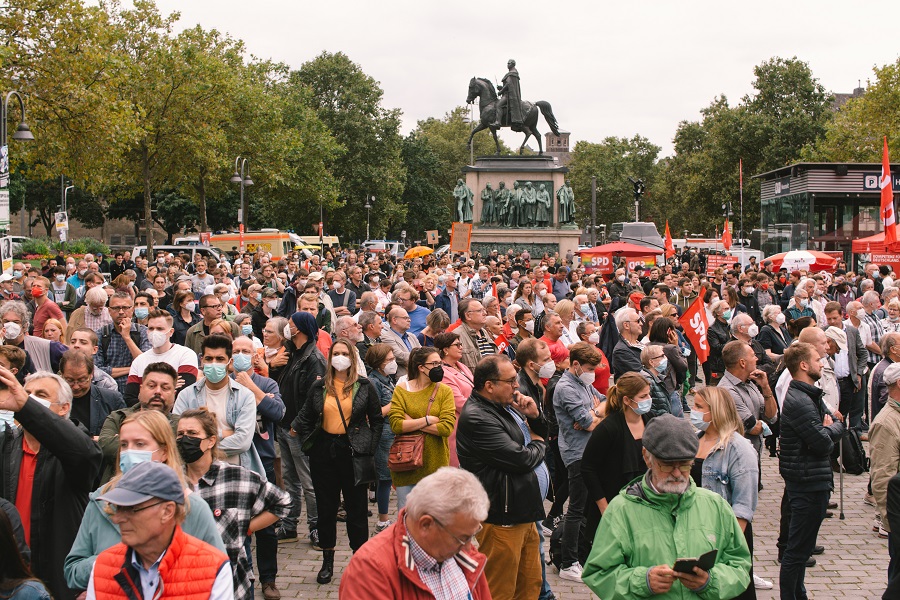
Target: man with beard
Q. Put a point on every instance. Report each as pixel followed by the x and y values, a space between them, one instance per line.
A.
pixel 157 392
pixel 808 435
pixel 661 517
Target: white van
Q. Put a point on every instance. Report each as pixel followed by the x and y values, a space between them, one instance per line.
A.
pixel 393 247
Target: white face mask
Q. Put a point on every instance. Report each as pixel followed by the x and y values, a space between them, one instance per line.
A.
pixel 542 293
pixel 594 338
pixel 157 339
pixel 272 304
pixel 190 306
pixel 12 330
pixel 529 326
pixel 287 332
pixel 391 368
pixel 588 378
pixel 861 314
pixel 515 330
pixel 547 370
pixel 753 330
pixel 336 285
pixel 780 319
pixel 340 362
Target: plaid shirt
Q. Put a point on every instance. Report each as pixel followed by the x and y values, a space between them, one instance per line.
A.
pixel 235 495
pixel 445 580
pixel 96 323
pixel 118 354
pixel 876 329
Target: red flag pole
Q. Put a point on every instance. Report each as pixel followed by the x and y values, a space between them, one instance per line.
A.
pixel 887 199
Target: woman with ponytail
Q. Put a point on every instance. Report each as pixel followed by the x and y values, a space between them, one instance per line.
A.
pixel 612 457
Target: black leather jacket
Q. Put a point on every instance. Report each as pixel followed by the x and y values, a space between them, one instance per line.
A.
pixel 491 445
pixel 304 368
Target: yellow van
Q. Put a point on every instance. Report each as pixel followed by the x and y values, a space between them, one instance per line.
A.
pixel 277 243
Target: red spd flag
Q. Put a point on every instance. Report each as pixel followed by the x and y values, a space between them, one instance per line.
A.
pixel 670 246
pixel 693 321
pixel 726 237
pixel 887 199
pixel 502 343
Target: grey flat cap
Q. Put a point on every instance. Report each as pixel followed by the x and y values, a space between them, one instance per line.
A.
pixel 670 439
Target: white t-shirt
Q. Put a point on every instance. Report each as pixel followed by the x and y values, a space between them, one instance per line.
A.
pixel 184 360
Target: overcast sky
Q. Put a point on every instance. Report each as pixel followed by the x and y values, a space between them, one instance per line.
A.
pixel 608 69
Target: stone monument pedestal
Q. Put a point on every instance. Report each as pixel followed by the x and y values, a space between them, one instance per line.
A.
pixel 510 169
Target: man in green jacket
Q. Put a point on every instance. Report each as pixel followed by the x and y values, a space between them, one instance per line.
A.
pixel 662 517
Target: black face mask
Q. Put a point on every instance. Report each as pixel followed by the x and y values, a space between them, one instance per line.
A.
pixel 189 448
pixel 436 374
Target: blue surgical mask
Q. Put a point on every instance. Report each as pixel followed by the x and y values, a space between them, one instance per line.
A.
pixel 17 274
pixel 130 458
pixel 141 313
pixel 697 420
pixel 215 373
pixel 242 362
pixel 643 406
pixel 662 366
pixel 247 330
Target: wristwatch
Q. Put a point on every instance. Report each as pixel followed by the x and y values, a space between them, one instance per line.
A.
pixel 596 412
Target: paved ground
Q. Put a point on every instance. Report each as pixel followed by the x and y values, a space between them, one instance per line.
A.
pixel 854 564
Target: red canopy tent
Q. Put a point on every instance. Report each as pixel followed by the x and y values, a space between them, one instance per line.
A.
pixel 621 249
pixel 869 244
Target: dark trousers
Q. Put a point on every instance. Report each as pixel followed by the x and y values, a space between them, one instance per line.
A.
pixel 331 467
pixel 266 544
pixel 851 405
pixel 750 592
pixel 572 524
pixel 560 481
pixel 807 512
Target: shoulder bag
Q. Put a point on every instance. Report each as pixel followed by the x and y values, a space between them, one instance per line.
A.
pixel 406 452
pixel 363 463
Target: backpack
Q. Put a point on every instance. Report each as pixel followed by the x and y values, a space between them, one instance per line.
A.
pixel 855 461
pixel 106 336
pixel 555 547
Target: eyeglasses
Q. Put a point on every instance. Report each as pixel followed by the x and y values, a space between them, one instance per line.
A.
pixel 130 511
pixel 432 364
pixel 684 467
pixel 482 311
pixel 119 308
pixel 457 344
pixel 461 542
pixel 79 382
pixel 513 381
pixel 219 306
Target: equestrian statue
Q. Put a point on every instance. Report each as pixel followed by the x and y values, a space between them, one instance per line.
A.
pixel 508 110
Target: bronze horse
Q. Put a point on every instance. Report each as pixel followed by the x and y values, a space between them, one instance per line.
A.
pixel 487 101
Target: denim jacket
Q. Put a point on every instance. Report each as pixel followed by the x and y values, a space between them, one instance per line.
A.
pixel 732 471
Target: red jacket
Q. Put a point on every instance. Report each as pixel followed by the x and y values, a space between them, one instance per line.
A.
pixel 379 570
pixel 187 571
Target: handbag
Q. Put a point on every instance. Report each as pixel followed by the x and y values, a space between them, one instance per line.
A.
pixel 407 451
pixel 363 463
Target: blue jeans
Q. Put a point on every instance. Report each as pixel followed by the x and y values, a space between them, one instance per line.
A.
pixel 807 513
pixel 402 492
pixel 297 480
pixel 675 402
pixel 546 592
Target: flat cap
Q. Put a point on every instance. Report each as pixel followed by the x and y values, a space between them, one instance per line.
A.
pixel 839 337
pixel 892 374
pixel 143 482
pixel 670 439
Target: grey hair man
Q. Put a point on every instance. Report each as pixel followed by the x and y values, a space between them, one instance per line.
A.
pixel 890 350
pixel 871 302
pixel 670 446
pixel 398 337
pixel 349 330
pixel 430 545
pixel 58 455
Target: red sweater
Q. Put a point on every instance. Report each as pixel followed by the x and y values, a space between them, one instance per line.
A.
pixel 379 570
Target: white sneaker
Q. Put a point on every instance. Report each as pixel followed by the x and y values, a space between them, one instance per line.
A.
pixel 572 573
pixel 882 533
pixel 760 583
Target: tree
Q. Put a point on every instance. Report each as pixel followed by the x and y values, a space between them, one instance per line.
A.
pixel 768 129
pixel 174 213
pixel 349 103
pixel 612 161
pixel 857 131
pixel 423 195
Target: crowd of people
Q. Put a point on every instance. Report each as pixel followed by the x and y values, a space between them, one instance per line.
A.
pixel 156 417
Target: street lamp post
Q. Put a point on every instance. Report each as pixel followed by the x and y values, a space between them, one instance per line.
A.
pixel 66 195
pixel 242 176
pixel 368 208
pixel 22 133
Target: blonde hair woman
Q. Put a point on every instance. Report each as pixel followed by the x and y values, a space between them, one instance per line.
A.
pixel 566 311
pixel 726 462
pixel 144 436
pixel 54 330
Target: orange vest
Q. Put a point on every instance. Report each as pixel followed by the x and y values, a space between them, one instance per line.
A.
pixel 187 571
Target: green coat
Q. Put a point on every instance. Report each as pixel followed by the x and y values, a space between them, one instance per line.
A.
pixel 641 529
